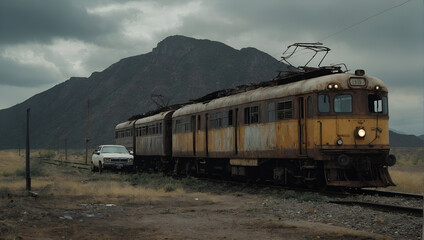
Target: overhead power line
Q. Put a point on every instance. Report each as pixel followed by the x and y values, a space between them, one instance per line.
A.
pixel 364 20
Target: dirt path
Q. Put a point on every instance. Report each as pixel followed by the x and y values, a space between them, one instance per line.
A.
pixel 183 217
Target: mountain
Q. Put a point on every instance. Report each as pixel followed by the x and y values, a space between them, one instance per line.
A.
pixel 180 68
pixel 403 140
pixel 421 136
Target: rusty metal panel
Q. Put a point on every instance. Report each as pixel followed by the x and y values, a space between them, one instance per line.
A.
pixel 182 144
pixel 200 143
pixel 331 130
pixel 155 145
pixel 258 137
pixel 221 140
pixel 269 140
pixel 150 145
pixel 124 141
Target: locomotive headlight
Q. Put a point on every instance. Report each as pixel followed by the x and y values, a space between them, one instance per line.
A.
pixel 360 132
pixel 333 86
pixel 377 87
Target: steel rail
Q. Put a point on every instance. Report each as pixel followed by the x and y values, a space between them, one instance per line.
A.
pixel 71 164
pixel 384 193
pixel 418 212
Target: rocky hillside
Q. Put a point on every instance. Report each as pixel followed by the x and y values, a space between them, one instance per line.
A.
pixel 180 68
pixel 403 140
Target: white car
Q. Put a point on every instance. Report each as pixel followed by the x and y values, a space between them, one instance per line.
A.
pixel 111 156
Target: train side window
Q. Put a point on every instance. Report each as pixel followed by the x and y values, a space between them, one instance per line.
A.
pixel 230 118
pixel 309 108
pixel 271 112
pixel 343 103
pixel 224 122
pixel 251 115
pixel 323 103
pixel 198 122
pixel 254 114
pixel 385 105
pixel 219 120
pixel 212 120
pixel 183 125
pixel 285 110
pixel 377 104
pixel 247 115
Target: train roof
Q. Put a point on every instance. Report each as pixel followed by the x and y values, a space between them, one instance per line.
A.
pixel 124 125
pixel 156 117
pixel 271 92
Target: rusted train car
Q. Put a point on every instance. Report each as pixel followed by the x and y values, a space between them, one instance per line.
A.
pixel 325 128
pixel 124 134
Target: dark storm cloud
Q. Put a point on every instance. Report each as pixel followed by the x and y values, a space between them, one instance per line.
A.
pixel 43 20
pixel 24 75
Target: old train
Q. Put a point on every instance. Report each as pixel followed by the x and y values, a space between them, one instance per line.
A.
pixel 321 127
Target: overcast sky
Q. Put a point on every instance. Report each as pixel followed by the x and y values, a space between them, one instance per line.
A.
pixel 45 42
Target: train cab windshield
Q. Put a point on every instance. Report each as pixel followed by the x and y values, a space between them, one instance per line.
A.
pixel 377 104
pixel 345 103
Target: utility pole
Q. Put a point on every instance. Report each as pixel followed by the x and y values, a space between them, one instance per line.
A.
pixel 66 150
pixel 88 127
pixel 27 172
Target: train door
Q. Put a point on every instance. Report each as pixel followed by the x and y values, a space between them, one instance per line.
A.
pixel 193 129
pixel 302 126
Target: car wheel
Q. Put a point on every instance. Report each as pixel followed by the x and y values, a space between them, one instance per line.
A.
pixel 93 168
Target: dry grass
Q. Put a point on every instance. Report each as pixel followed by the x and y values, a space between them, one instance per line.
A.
pixel 407 181
pixel 408 173
pixel 56 181
pixel 59 181
pixel 10 161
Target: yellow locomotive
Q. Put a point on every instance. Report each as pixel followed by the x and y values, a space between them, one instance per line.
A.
pixel 316 127
pixel 332 128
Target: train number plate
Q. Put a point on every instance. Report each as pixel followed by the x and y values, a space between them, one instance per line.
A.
pixel 357 81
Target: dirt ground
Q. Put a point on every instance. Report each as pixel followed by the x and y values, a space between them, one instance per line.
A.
pixel 182 216
pixel 77 204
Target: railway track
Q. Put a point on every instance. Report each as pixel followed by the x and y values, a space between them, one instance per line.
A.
pixel 418 212
pixel 384 207
pixel 384 193
pixel 414 211
pixel 68 163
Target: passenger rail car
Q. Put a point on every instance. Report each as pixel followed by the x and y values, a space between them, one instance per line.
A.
pixel 326 130
pixel 149 138
pixel 124 134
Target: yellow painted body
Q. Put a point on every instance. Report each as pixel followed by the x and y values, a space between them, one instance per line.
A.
pixel 281 139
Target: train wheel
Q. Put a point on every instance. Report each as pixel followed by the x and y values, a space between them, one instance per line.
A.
pixel 176 168
pixel 189 168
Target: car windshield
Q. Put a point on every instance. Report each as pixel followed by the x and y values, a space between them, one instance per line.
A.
pixel 114 149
